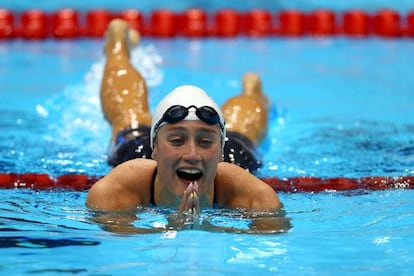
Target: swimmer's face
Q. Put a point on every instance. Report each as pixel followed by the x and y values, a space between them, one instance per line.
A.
pixel 187 151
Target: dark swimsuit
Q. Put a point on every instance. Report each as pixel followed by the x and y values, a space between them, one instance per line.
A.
pixel 135 143
pixel 239 150
pixel 130 144
pixel 152 199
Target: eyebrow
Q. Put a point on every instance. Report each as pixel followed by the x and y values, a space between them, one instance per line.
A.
pixel 206 129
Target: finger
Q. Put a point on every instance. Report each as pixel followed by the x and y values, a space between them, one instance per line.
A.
pixel 186 200
pixel 194 200
pixel 196 203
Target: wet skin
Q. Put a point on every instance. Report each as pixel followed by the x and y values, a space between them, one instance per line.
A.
pixel 187 154
pixel 124 93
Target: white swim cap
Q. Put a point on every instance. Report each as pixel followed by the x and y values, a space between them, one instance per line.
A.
pixel 186 95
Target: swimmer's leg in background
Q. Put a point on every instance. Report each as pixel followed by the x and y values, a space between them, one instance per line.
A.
pixel 124 93
pixel 246 116
pixel 247 113
pixel 124 96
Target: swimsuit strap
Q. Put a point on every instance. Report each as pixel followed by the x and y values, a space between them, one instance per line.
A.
pixel 152 200
pixel 214 196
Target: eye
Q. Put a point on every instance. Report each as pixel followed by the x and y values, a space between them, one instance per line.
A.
pixel 176 140
pixel 206 142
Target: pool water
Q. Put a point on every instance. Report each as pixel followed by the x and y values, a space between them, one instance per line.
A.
pixel 366 233
pixel 342 107
pixel 317 113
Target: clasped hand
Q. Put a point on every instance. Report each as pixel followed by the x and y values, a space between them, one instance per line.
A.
pixel 190 202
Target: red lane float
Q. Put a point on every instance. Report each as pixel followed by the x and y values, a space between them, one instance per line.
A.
pixel 65 24
pixel 31 180
pixel 195 22
pixel 258 23
pixel 312 184
pixel 135 19
pixel 356 23
pixel 163 24
pixel 227 23
pixel 387 23
pixel 35 24
pixel 315 184
pixel 6 24
pixel 410 24
pixel 35 181
pixel 322 23
pixel 96 22
pixel 307 184
pixel 28 180
pixel 74 181
pixel 81 182
pixel 293 23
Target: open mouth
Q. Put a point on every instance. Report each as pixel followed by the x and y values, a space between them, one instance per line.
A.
pixel 189 174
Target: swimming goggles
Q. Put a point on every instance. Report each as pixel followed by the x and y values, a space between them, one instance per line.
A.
pixel 177 113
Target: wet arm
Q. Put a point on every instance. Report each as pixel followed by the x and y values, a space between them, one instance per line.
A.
pixel 125 187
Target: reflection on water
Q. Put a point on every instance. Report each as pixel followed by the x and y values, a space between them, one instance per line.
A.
pixel 55 232
pixel 28 242
pixel 168 220
pixel 42 224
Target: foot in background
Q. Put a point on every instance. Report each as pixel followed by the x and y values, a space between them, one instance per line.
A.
pixel 246 117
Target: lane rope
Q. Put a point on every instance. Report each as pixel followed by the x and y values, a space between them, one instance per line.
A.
pixel 82 182
pixel 197 23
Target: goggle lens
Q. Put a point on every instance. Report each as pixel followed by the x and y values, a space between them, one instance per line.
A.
pixel 178 112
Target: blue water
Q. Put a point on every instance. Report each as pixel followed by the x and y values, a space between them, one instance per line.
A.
pixel 370 234
pixel 341 108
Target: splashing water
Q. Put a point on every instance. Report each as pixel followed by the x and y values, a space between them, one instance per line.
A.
pixel 75 117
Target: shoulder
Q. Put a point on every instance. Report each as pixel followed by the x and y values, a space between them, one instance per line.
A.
pixel 139 167
pixel 233 175
pixel 126 186
pixel 134 171
pixel 236 187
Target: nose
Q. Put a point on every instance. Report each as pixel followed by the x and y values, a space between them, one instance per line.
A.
pixel 191 153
